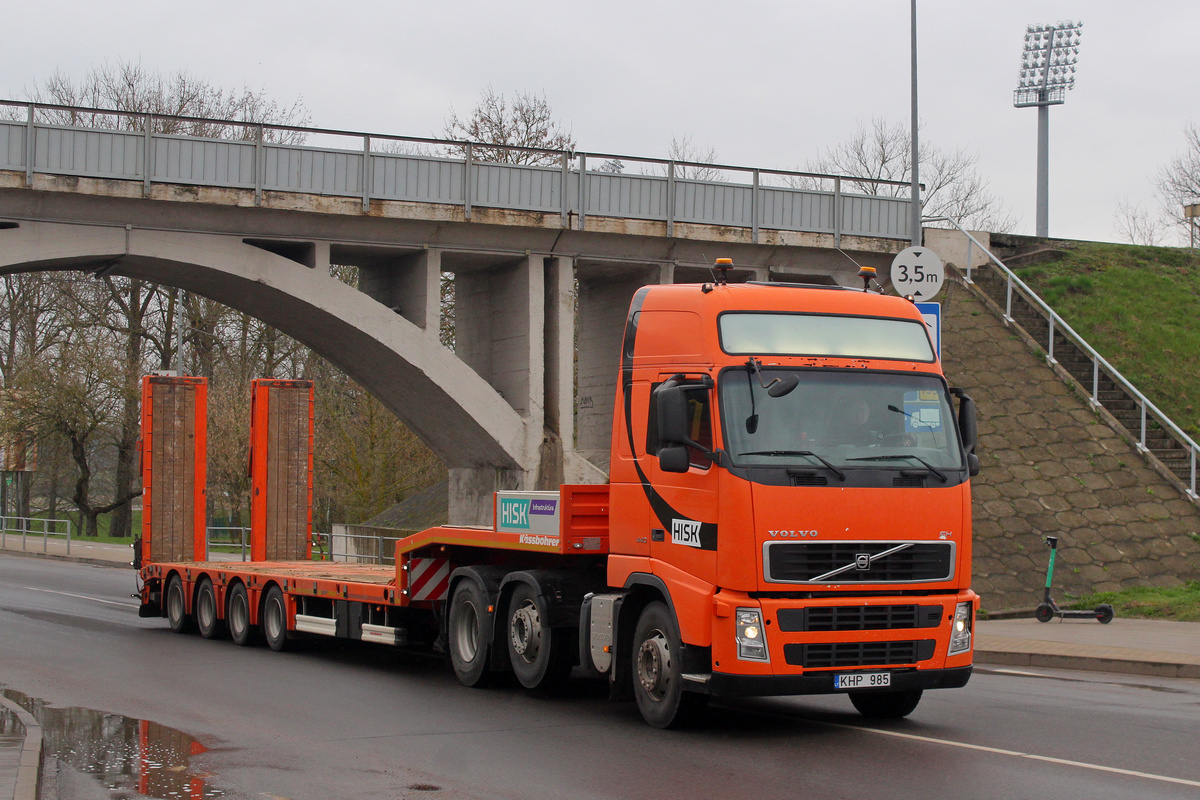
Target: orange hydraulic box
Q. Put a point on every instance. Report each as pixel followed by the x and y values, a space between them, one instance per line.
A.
pixel 174 439
pixel 281 453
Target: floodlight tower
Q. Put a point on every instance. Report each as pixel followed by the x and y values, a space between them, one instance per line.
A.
pixel 1047 72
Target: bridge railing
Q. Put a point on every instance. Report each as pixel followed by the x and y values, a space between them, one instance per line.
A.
pixel 41 138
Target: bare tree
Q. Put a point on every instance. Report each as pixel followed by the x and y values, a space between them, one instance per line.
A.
pixel 525 121
pixel 1178 183
pixel 684 149
pixel 953 186
pixel 127 86
pixel 1136 225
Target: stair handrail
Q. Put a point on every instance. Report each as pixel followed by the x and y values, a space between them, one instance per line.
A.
pixel 1098 361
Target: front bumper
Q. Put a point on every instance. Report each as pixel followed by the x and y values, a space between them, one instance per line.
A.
pixel 723 684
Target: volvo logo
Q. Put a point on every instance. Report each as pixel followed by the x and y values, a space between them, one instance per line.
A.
pixel 862 561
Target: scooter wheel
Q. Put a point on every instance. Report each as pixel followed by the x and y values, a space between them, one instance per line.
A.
pixel 1044 612
pixel 1104 614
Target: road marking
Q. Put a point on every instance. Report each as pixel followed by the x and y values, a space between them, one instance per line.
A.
pixel 1017 754
pixel 83 597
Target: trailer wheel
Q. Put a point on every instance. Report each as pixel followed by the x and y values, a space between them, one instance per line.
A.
pixel 658 673
pixel 274 619
pixel 177 616
pixel 467 633
pixel 886 705
pixel 237 615
pixel 540 655
pixel 206 611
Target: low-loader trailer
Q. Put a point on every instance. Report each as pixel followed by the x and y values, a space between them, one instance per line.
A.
pixel 788 512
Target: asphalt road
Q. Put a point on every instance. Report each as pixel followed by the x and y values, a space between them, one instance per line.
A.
pixel 362 722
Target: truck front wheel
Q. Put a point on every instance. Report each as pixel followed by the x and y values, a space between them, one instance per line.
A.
pixel 886 705
pixel 177 616
pixel 467 633
pixel 657 671
pixel 541 656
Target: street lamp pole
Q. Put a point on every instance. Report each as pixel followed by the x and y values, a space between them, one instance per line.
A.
pixel 1047 72
pixel 916 182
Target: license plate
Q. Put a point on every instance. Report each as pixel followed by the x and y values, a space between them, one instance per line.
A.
pixel 862 680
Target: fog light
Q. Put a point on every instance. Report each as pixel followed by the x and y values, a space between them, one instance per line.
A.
pixel 752 645
pixel 960 635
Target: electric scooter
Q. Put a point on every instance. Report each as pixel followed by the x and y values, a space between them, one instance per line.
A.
pixel 1048 609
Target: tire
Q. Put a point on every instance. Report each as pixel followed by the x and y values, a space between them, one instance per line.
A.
pixel 176 604
pixel 1104 613
pixel 1044 612
pixel 657 671
pixel 541 656
pixel 237 615
pixel 468 634
pixel 205 609
pixel 274 619
pixel 886 705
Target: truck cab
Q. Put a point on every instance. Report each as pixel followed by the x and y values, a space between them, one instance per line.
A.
pixel 791 472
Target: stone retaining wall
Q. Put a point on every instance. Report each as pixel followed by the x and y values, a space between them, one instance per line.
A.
pixel 1051 466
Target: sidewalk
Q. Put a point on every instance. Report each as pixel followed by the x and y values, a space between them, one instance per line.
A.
pixel 1135 646
pixel 82 551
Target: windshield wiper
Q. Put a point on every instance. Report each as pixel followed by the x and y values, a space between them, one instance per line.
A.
pixel 808 453
pixel 940 475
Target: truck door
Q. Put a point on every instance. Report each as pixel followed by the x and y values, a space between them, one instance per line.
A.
pixel 683 505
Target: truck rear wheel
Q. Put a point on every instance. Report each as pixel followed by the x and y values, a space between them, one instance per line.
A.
pixel 467 633
pixel 541 656
pixel 237 615
pixel 886 705
pixel 274 619
pixel 177 616
pixel 658 673
pixel 206 611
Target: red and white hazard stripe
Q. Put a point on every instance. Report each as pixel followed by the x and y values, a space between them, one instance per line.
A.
pixel 428 578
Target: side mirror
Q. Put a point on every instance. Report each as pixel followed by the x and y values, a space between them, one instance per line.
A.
pixel 673 458
pixel 672 413
pixel 967 424
pixel 972 464
pixel 782 386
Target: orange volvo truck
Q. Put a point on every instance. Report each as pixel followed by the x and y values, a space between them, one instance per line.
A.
pixel 788 512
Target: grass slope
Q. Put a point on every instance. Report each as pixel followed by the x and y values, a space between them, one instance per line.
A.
pixel 1140 308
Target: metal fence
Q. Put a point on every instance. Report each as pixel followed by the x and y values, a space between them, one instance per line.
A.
pixel 1153 431
pixel 35 527
pixel 125 146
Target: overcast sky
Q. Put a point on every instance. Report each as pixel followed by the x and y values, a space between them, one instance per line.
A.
pixel 765 83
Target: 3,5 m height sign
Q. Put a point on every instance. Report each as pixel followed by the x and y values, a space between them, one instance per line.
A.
pixel 917 272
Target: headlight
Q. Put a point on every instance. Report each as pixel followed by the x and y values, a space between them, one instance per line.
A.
pixel 752 643
pixel 960 634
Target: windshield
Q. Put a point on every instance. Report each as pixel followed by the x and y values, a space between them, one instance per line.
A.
pixel 839 419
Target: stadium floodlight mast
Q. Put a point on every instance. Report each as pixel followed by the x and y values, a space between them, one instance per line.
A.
pixel 1047 72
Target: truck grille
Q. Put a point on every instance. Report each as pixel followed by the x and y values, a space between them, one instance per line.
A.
pixel 859 618
pixel 858 562
pixel 858 654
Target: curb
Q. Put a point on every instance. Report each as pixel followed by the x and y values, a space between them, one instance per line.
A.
pixel 29 769
pixel 1157 669
pixel 95 562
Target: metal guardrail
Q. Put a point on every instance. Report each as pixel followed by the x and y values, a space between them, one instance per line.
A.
pixel 359 548
pixel 29 526
pixel 570 189
pixel 1058 326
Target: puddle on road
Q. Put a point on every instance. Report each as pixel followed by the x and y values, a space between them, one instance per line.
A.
pixel 131 758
